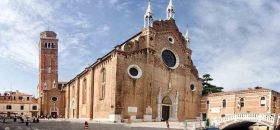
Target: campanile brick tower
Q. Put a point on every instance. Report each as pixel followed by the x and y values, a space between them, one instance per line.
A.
pixel 48 74
pixel 51 98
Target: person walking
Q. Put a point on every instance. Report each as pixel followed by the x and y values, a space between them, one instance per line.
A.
pixel 167 124
pixel 86 126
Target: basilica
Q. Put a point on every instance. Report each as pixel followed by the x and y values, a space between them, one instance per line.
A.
pixel 149 77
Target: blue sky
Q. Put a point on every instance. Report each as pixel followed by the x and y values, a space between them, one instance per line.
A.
pixel 237 42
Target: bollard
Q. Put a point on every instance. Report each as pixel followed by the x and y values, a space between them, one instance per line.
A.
pixel 185 125
pixel 129 120
pixel 86 126
pixel 194 126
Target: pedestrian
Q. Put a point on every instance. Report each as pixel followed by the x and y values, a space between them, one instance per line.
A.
pixel 86 126
pixel 167 124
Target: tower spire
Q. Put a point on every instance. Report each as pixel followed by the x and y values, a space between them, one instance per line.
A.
pixel 187 37
pixel 170 10
pixel 148 17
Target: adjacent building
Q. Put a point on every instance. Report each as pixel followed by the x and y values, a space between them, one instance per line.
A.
pixel 149 77
pixel 18 103
pixel 252 100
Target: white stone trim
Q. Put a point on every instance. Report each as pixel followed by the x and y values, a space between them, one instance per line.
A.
pixel 148 118
pixel 171 37
pixel 111 118
pixel 270 98
pixel 159 105
pixel 194 89
pixel 137 68
pixel 55 97
pixel 260 101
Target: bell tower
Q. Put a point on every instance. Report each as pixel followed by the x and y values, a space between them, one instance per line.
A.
pixel 48 67
pixel 48 49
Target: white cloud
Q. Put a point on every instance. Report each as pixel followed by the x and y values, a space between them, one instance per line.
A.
pixel 21 23
pixel 238 42
pixel 113 1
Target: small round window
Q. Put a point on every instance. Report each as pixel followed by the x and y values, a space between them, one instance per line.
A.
pixel 171 39
pixel 134 71
pixel 54 99
pixel 192 87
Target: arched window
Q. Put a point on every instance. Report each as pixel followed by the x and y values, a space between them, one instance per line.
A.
pixel 262 101
pixel 54 84
pixel 52 45
pixel 241 102
pixel 49 45
pixel 73 91
pixel 103 83
pixel 46 45
pixel 45 86
pixel 9 107
pixel 84 91
pixel 167 101
pixel 224 103
pixel 207 104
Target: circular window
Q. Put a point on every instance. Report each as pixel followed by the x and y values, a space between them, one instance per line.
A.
pixel 54 99
pixel 171 39
pixel 169 58
pixel 134 71
pixel 192 87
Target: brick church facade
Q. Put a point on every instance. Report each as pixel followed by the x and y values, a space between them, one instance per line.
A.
pixel 150 77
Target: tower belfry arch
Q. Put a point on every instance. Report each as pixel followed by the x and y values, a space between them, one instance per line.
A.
pixel 148 17
pixel 170 12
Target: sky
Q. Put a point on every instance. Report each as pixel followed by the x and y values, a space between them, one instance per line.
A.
pixel 236 42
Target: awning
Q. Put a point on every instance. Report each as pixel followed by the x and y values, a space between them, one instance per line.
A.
pixel 13 113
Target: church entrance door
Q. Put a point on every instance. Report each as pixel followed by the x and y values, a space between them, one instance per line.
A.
pixel 166 108
pixel 165 112
pixel 54 114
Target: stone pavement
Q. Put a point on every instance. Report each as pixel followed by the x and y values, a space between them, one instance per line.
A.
pixel 79 125
pixel 173 125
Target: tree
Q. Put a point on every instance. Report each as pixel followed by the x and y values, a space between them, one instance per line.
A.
pixel 209 88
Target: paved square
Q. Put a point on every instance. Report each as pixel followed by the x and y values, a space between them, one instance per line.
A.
pixel 79 125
